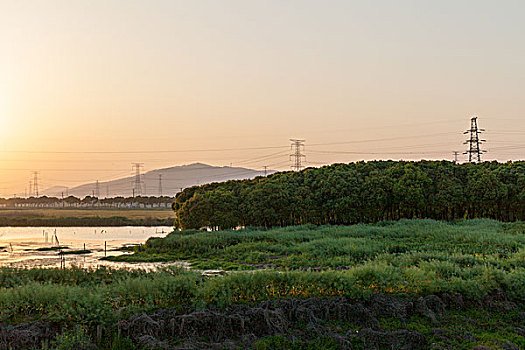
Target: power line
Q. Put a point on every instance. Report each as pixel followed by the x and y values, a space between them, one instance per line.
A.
pixel 375 153
pixel 68 170
pixel 212 149
pixel 144 151
pixel 383 139
pixel 256 159
pixel 507 147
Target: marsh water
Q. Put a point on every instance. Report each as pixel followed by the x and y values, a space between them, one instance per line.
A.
pixel 18 245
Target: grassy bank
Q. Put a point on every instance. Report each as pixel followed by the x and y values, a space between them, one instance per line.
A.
pixel 86 217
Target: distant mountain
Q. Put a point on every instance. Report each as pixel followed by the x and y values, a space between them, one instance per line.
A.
pixel 56 190
pixel 173 179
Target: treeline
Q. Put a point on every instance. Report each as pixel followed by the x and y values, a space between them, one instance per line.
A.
pixel 21 220
pixel 359 192
pixel 88 201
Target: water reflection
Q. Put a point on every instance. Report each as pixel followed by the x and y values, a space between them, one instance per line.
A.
pixel 18 245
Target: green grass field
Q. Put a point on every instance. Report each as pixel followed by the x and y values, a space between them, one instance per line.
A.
pixel 470 275
pixel 403 244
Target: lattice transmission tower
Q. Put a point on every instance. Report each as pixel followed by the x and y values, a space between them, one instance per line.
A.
pixel 137 187
pixel 297 156
pixel 35 183
pixel 160 185
pixel 474 152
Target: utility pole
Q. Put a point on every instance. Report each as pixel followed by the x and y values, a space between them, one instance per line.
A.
pixel 160 185
pixel 137 188
pixel 474 142
pixel 265 170
pixel 456 153
pixel 297 146
pixel 97 189
pixel 35 183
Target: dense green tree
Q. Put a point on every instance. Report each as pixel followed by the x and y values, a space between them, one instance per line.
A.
pixel 360 192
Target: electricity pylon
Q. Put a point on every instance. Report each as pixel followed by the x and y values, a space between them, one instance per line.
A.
pixel 137 188
pixel 474 152
pixel 297 146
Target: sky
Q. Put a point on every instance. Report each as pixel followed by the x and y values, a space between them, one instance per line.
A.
pixel 88 87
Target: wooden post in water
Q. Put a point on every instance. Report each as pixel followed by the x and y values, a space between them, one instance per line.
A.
pixel 84 246
pixel 62 259
pixel 105 248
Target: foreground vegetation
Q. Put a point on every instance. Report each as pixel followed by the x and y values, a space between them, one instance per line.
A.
pixel 359 193
pixel 476 269
pixel 85 217
pixel 426 248
pixel 87 306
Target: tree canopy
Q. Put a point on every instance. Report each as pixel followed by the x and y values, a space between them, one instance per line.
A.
pixel 359 192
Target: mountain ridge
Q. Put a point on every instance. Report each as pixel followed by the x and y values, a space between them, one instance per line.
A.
pixel 173 180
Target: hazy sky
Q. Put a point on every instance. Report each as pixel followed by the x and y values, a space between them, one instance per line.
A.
pixel 376 79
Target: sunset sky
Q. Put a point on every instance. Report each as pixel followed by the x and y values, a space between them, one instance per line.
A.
pixel 88 87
